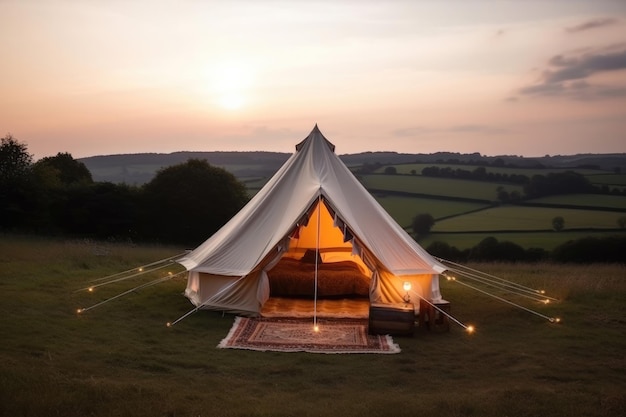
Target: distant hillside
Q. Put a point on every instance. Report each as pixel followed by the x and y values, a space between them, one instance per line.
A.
pixel 137 169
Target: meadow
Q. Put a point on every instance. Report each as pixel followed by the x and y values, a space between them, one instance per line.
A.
pixel 443 187
pixel 120 359
pixel 528 218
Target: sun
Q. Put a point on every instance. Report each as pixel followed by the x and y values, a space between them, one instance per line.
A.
pixel 230 83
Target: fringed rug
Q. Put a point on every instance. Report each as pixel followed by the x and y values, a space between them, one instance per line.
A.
pixel 296 335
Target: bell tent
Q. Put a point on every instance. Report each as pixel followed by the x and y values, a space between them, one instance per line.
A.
pixel 312 232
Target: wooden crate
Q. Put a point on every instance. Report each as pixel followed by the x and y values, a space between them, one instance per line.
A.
pixel 392 319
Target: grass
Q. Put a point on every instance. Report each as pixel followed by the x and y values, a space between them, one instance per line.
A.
pixel 404 209
pixel 528 218
pixel 585 200
pixel 448 187
pixel 608 179
pixel 120 359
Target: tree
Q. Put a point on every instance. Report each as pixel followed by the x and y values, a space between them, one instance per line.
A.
pixel 16 185
pixel 188 202
pixel 68 170
pixel 503 195
pixel 15 161
pixel 421 225
pixel 391 171
pixel 558 223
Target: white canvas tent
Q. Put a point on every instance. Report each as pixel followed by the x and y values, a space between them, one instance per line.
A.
pixel 312 202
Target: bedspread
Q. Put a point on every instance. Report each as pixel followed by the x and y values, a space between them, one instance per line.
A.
pixel 292 277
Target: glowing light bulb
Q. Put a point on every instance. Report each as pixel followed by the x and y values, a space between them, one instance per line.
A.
pixel 449 278
pixel 316 328
pixel 470 329
pixel 546 301
pixel 168 324
pixel 169 273
pixel 90 289
pixel 140 269
pixel 80 310
pixel 406 286
pixel 557 320
pixel 542 292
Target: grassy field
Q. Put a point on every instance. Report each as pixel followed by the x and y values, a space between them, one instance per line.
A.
pixel 528 218
pixel 404 209
pixel 608 179
pixel 589 200
pixel 121 360
pixel 436 186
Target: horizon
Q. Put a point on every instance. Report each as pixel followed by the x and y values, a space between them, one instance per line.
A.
pixel 362 152
pixel 529 79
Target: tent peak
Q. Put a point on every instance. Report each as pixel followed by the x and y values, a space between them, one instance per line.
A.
pixel 315 136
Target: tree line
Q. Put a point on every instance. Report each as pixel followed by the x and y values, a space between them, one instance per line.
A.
pixel 183 204
pixel 610 249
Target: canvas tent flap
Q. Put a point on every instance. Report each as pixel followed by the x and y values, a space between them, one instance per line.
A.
pixel 313 170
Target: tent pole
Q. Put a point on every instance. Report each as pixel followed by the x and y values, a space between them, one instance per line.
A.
pixel 317 255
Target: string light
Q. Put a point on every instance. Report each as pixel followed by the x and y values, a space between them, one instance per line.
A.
pixel 80 310
pixel 555 319
pixel 316 328
pixel 90 289
pixel 140 269
pixel 168 324
pixel 470 329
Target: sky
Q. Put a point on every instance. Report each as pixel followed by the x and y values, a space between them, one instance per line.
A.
pixel 498 77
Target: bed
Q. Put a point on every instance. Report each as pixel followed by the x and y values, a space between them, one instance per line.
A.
pixel 296 278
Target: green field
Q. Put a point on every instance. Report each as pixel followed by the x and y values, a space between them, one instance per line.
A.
pixel 120 359
pixel 528 218
pixel 404 209
pixel 453 188
pixel 590 200
pixel 608 179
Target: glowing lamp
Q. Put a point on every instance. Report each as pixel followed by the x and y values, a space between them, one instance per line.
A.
pixel 140 269
pixel 407 287
pixel 90 289
pixel 80 310
pixel 316 328
pixel 470 329
pixel 168 324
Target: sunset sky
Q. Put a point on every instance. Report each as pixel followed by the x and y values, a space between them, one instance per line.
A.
pixel 99 77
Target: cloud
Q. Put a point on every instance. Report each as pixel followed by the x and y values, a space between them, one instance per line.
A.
pixel 592 24
pixel 568 75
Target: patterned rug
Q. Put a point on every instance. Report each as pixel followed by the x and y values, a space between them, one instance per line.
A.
pixel 297 335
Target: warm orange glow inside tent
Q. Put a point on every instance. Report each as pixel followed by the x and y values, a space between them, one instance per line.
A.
pixel 332 247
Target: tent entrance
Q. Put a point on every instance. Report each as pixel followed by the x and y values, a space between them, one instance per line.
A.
pixel 319 269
